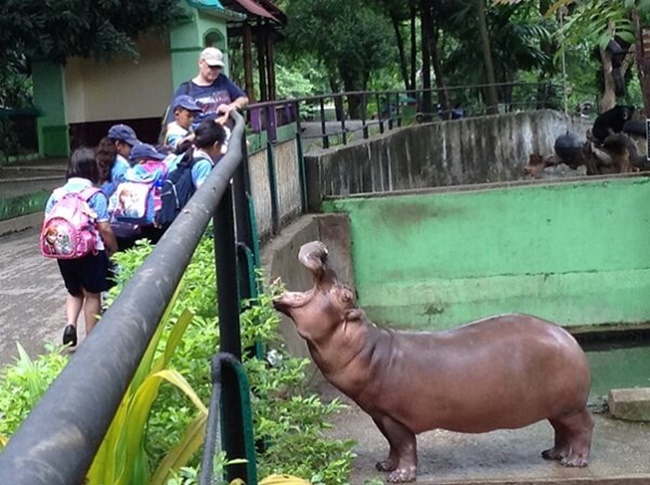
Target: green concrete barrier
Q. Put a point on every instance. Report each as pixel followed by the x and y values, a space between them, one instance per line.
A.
pixel 577 253
pixel 20 205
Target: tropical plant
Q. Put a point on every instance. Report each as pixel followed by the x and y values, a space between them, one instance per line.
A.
pixel 24 383
pixel 122 458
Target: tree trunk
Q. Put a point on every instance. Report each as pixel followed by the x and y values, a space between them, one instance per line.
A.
pixel 490 91
pixel 443 95
pixel 608 101
pixel 414 47
pixel 426 27
pixel 545 88
pixel 400 48
pixel 643 63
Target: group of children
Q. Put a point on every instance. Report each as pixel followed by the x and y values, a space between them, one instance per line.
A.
pixel 111 198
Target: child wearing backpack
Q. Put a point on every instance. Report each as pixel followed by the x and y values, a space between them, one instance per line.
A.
pixel 76 232
pixel 191 171
pixel 210 136
pixel 137 198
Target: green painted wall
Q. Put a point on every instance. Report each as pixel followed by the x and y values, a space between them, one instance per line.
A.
pixel 49 98
pixel 577 253
pixel 188 38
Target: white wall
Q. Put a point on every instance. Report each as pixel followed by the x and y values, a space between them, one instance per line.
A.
pixel 124 89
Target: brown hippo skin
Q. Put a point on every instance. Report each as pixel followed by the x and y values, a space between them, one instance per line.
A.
pixel 506 371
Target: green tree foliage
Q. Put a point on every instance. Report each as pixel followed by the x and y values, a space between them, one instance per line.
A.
pixel 58 29
pixel 349 38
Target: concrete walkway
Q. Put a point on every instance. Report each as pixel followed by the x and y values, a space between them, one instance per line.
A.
pixel 32 295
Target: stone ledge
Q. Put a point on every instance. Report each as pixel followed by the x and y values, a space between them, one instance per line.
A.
pixel 21 223
pixel 630 404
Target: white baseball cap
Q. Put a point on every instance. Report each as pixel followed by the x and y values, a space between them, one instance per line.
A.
pixel 212 56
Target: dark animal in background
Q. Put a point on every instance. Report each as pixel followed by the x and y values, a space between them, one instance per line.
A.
pixel 611 121
pixel 634 128
pixel 506 371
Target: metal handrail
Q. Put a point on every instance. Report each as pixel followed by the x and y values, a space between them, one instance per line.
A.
pixel 268 116
pixel 222 363
pixel 57 442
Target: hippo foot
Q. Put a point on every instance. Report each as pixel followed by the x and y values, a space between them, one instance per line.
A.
pixel 554 454
pixel 577 461
pixel 387 465
pixel 402 475
pixel 566 458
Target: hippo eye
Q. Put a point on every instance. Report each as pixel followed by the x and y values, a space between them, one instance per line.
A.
pixel 347 296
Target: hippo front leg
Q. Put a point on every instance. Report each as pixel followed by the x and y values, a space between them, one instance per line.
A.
pixel 402 458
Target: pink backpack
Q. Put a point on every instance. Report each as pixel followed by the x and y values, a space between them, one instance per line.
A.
pixel 69 230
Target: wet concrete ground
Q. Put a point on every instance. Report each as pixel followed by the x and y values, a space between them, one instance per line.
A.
pixel 32 296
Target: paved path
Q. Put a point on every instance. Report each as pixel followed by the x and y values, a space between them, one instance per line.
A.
pixel 32 296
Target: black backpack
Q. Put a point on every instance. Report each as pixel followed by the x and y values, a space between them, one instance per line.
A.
pixel 177 190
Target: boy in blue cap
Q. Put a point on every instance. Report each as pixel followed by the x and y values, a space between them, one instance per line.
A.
pixel 124 138
pixel 179 132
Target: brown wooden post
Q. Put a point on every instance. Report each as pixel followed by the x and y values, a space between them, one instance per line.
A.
pixel 261 62
pixel 248 62
pixel 270 64
pixel 643 60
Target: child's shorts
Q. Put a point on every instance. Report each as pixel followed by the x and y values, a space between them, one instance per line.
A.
pixel 91 273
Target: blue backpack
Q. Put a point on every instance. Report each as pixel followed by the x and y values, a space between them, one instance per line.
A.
pixel 135 199
pixel 177 189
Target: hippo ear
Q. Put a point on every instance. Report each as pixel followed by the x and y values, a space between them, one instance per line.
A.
pixel 313 255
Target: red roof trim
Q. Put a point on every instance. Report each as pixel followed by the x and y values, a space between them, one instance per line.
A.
pixel 256 9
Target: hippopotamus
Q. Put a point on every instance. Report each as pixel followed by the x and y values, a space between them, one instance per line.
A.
pixel 501 372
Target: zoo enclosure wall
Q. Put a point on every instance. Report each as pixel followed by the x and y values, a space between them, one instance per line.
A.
pixel 574 252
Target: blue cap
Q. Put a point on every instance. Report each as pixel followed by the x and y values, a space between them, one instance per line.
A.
pixel 187 102
pixel 146 151
pixel 123 133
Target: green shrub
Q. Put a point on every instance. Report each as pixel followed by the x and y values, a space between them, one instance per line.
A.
pixel 24 383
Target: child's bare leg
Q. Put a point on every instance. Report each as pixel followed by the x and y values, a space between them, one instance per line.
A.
pixel 73 306
pixel 92 308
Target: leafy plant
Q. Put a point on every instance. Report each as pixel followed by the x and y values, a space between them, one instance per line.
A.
pixel 122 458
pixel 24 383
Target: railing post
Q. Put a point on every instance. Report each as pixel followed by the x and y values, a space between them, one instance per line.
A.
pixel 379 117
pixel 229 331
pixel 344 135
pixel 301 160
pixel 246 231
pixel 323 126
pixel 224 362
pixel 273 187
pixel 364 115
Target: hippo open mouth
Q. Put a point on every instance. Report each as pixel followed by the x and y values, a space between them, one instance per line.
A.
pixel 313 255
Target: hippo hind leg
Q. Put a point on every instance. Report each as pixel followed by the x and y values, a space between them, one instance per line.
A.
pixel 572 439
pixel 402 457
